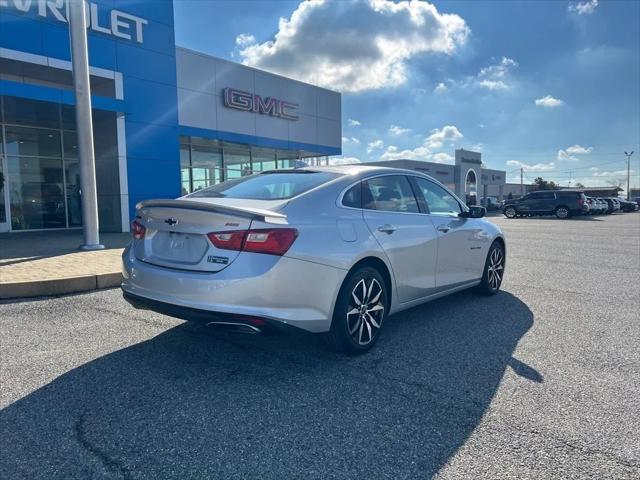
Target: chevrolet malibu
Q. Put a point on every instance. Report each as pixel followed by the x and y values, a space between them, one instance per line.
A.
pixel 331 250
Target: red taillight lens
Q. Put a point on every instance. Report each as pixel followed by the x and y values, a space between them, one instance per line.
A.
pixel 138 230
pixel 274 241
pixel 231 240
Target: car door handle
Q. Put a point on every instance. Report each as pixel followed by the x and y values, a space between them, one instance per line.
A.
pixel 443 228
pixel 387 228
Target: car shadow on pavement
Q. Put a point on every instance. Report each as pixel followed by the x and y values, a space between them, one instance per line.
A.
pixel 190 403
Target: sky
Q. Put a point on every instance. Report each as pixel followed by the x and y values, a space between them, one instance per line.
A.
pixel 552 87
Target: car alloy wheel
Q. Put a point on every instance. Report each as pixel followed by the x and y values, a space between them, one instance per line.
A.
pixel 510 212
pixel 366 311
pixel 495 268
pixel 562 212
pixel 360 309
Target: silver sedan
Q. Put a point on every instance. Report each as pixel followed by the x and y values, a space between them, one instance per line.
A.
pixel 330 250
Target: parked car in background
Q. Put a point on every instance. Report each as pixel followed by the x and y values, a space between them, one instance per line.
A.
pixel 627 206
pixel 561 203
pixel 593 206
pixel 611 206
pixel 491 203
pixel 602 205
pixel 331 250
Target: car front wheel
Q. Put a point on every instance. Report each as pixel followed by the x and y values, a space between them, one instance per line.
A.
pixel 510 212
pixel 493 270
pixel 360 309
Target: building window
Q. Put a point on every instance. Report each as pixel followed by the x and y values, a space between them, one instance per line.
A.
pixel 205 162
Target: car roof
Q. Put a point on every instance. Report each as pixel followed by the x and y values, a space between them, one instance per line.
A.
pixel 354 169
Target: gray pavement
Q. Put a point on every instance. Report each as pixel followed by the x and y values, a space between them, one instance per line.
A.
pixel 540 381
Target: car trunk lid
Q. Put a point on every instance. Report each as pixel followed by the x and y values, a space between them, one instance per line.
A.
pixel 176 231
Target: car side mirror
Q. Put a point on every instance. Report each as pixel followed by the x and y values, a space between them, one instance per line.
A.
pixel 474 212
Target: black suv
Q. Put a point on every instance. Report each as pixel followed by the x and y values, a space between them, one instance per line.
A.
pixel 561 203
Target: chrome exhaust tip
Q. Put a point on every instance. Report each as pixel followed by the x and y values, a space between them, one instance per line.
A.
pixel 235 327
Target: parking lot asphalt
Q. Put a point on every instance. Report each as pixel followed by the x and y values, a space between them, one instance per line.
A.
pixel 540 381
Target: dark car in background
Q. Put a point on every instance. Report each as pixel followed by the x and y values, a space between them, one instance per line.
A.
pixel 561 203
pixel 627 206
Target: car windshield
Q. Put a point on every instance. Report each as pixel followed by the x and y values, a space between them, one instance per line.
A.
pixel 268 186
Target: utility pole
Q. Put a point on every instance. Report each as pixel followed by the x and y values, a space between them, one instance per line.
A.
pixel 521 182
pixel 628 173
pixel 84 124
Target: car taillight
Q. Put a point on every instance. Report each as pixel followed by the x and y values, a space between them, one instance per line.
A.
pixel 138 230
pixel 231 240
pixel 272 241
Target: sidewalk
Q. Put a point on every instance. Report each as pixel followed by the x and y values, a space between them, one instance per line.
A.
pixel 49 263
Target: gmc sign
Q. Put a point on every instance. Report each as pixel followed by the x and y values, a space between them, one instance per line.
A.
pixel 249 102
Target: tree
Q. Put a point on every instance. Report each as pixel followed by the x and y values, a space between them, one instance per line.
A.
pixel 580 185
pixel 542 184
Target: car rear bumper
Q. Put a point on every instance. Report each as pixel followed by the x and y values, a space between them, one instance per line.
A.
pixel 283 290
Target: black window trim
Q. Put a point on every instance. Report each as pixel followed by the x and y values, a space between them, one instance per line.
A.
pixel 422 204
pixel 461 206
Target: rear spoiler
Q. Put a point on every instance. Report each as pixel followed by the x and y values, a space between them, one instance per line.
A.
pixel 259 214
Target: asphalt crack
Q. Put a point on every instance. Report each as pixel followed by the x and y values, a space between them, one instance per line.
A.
pixel 110 464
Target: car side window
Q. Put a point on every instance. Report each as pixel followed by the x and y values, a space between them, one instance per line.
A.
pixel 390 193
pixel 439 201
pixel 353 197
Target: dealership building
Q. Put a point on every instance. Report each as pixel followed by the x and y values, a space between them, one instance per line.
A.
pixel 166 120
pixel 467 177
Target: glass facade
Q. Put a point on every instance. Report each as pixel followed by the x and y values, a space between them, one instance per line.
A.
pixel 206 162
pixel 40 166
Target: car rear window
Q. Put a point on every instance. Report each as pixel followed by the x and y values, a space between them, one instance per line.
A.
pixel 267 186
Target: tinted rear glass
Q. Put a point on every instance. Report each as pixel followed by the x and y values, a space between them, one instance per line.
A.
pixel 267 186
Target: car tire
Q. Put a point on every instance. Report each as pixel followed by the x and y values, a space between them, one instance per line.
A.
pixel 510 212
pixel 359 313
pixel 562 212
pixel 493 270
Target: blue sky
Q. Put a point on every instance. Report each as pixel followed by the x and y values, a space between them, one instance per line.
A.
pixel 553 87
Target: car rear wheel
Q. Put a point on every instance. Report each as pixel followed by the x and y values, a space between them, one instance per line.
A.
pixel 360 309
pixel 562 212
pixel 493 270
pixel 510 212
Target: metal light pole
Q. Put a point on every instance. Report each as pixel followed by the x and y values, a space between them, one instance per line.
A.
pixel 628 173
pixel 84 124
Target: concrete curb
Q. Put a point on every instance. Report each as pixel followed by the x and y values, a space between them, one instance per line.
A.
pixel 59 286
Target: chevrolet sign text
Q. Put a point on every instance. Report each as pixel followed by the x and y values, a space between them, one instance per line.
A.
pixel 116 23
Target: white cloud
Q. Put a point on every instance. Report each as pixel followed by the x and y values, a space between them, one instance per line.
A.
pixel 245 39
pixel 448 133
pixel 564 155
pixel 568 154
pixel 440 88
pixel 350 140
pixel 583 8
pixel 496 76
pixel 367 46
pixel 436 139
pixel 375 145
pixel 396 130
pixel 343 160
pixel 579 150
pixel 538 167
pixel 354 123
pixel 548 102
pixel 614 173
pixel 442 157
